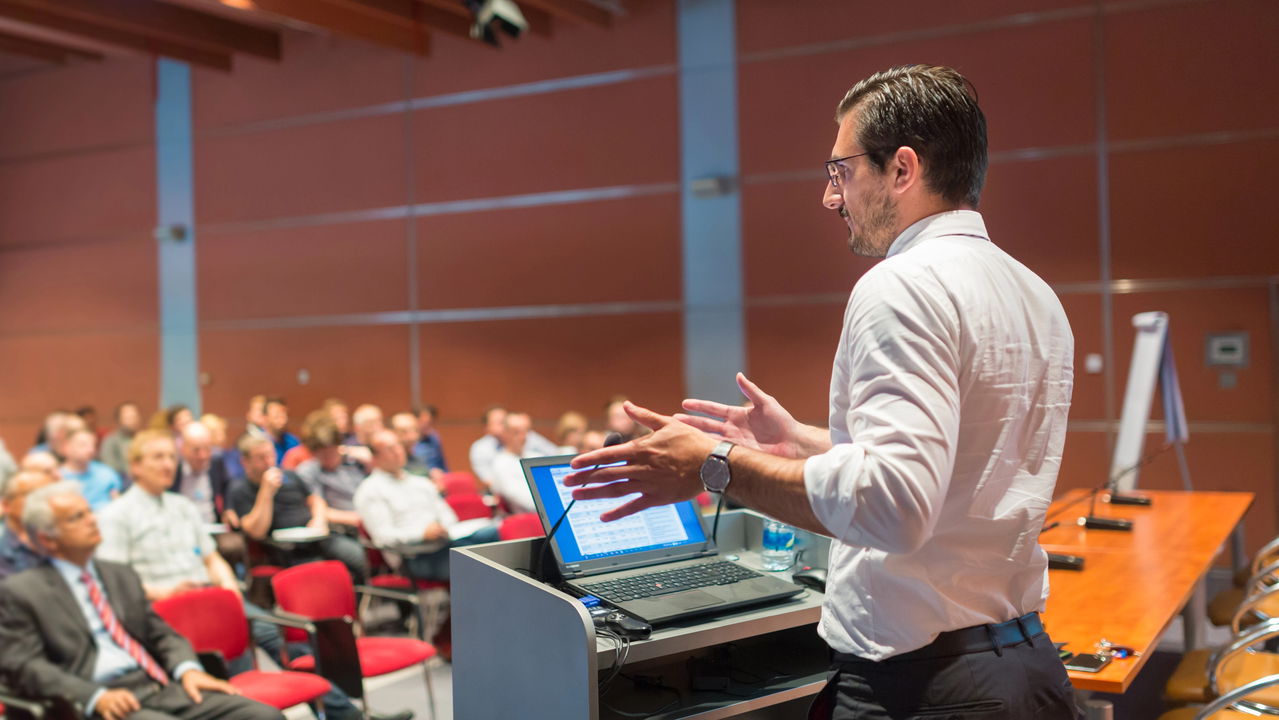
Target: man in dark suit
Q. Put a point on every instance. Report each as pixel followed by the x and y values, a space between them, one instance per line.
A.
pixel 81 630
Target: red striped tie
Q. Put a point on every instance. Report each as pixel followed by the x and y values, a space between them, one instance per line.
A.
pixel 117 633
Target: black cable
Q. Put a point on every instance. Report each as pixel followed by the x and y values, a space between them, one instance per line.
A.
pixel 1109 482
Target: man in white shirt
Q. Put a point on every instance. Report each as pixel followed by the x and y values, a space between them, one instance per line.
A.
pixel 948 405
pixel 484 451
pixel 399 508
pixel 508 477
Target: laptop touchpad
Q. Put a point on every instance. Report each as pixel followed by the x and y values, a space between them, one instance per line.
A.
pixel 691 599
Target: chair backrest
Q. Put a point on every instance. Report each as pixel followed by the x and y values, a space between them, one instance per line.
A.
pixel 468 506
pixel 211 618
pixel 315 590
pixel 523 525
pixel 459 482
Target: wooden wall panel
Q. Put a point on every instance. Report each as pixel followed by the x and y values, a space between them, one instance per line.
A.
pixel 790 353
pixel 82 105
pixel 791 244
pixel 319 74
pixel 788 104
pixel 79 288
pixel 91 196
pixel 765 25
pixel 322 270
pixel 359 364
pixel 330 167
pixel 548 366
pixel 51 371
pixel 1187 68
pixel 613 251
pixel 557 141
pixel 1180 198
pixel 1084 313
pixel 1044 213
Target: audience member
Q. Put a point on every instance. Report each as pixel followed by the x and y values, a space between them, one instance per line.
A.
pixel 58 425
pixel 399 508
pixel 367 420
pixel 42 461
pixel 276 412
pixel 430 450
pixel 89 415
pixel 8 466
pixel 616 419
pixel 176 419
pixel 111 665
pixel 16 551
pixel 508 477
pixel 115 446
pixel 484 450
pixel 229 458
pixel 332 472
pixel 98 482
pixel 202 478
pixel 270 499
pixel 255 416
pixel 569 431
pixel 341 415
pixel 404 425
pixel 162 536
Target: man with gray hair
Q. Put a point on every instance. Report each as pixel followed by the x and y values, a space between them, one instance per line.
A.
pixel 16 553
pixel 81 630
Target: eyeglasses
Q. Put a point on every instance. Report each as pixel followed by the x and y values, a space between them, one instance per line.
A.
pixel 833 170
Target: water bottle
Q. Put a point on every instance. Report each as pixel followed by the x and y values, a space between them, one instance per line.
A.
pixel 779 546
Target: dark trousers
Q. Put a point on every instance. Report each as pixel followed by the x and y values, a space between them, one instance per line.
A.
pixel 171 701
pixel 1020 681
pixel 339 547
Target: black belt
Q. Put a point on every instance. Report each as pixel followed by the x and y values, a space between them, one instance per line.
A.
pixel 979 638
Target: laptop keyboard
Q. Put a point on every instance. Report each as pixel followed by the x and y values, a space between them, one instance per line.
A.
pixel 689 577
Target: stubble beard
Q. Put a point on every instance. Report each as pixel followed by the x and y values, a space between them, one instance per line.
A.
pixel 874 234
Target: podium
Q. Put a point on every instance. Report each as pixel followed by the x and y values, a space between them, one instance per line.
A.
pixel 524 649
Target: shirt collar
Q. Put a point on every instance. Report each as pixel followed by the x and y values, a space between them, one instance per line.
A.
pixel 951 222
pixel 72 572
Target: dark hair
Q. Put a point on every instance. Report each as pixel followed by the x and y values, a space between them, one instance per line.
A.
pixel 273 400
pixel 932 110
pixel 172 412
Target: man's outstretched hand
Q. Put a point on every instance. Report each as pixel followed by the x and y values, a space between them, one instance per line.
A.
pixel 663 467
pixel 763 425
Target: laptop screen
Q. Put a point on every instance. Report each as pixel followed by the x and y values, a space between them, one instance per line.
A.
pixel 582 537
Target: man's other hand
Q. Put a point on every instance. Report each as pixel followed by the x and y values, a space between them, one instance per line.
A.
pixel 663 467
pixel 116 704
pixel 194 681
pixel 763 424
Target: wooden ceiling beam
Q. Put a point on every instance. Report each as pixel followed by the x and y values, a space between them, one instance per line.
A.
pixel 576 10
pixel 342 19
pixel 23 13
pixel 170 23
pixel 410 13
pixel 41 50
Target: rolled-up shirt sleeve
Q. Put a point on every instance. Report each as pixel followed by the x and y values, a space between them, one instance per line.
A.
pixel 882 483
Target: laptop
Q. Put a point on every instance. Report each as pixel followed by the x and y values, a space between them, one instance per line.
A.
pixel 658 565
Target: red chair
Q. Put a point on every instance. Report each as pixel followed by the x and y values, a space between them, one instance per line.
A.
pixel 523 525
pixel 401 586
pixel 468 506
pixel 322 593
pixel 213 620
pixel 459 482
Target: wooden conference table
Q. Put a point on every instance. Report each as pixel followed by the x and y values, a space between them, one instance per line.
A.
pixel 1133 583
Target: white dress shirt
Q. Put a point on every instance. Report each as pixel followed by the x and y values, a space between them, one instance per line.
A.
pixel 949 396
pixel 509 483
pixel 397 510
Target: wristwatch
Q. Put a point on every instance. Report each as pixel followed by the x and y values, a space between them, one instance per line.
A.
pixel 714 472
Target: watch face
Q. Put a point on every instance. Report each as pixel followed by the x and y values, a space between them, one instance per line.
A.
pixel 715 474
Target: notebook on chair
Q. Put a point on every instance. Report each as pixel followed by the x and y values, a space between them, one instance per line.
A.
pixel 602 559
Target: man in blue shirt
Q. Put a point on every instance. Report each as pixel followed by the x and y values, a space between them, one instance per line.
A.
pixel 98 482
pixel 276 412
